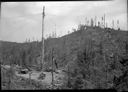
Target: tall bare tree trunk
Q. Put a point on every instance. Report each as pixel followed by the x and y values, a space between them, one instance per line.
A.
pixel 52 70
pixel 0 10
pixel 104 20
pixel 95 21
pixel 42 56
pixel 9 82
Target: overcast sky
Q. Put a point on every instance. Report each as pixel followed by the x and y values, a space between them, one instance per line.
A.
pixel 21 20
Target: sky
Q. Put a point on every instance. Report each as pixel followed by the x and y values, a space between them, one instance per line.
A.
pixel 23 20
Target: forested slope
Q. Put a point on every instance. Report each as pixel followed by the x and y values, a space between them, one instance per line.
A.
pixel 96 57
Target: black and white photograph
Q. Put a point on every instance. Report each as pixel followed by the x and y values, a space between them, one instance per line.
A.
pixel 58 45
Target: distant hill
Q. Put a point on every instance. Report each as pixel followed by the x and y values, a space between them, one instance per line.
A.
pixel 95 57
pixel 65 48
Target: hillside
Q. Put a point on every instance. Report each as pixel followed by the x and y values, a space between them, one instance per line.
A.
pixel 67 45
pixel 93 54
